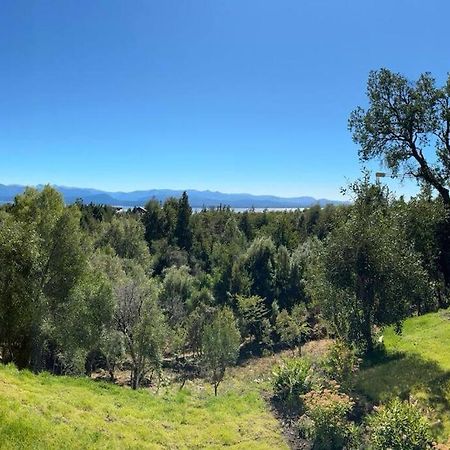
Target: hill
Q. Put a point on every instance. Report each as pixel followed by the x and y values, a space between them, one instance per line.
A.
pixel 198 199
pixel 45 411
pixel 416 365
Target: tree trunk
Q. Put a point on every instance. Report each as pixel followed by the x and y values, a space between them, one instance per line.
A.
pixel 216 385
pixel 20 356
pixel 367 332
pixel 444 241
pixel 36 348
pixel 135 379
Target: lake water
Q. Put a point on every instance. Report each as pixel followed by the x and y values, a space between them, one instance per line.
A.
pixel 256 209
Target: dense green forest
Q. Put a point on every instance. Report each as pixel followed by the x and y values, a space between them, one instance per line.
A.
pixel 83 287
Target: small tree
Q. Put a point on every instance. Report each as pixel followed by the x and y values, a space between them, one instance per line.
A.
pixel 341 364
pixel 260 265
pixel 292 328
pixel 112 347
pixel 254 315
pixel 221 342
pixel 176 290
pixel 141 321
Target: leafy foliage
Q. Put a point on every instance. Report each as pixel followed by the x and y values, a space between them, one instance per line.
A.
pixel 367 273
pixel 254 314
pixel 399 426
pixel 341 364
pixel 221 341
pixel 292 328
pixel 403 123
pixel 292 379
pixel 141 322
pixel 325 421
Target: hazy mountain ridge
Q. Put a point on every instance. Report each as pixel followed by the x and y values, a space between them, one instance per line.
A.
pixel 197 198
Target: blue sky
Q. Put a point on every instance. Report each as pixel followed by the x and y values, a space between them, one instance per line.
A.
pixel 230 95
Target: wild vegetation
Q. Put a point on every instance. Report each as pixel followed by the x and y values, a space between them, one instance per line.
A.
pixel 84 290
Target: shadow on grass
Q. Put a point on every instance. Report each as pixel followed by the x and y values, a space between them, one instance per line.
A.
pixel 385 375
pixel 288 415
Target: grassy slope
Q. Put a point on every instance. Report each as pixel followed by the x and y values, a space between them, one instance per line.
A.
pixel 61 412
pixel 417 364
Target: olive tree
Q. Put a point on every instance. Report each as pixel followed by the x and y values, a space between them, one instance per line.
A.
pixel 367 273
pixel 41 250
pixel 407 126
pixel 140 320
pixel 175 293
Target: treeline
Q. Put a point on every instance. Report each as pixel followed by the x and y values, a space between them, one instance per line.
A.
pixel 82 286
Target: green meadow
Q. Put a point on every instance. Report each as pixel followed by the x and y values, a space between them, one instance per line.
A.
pixel 46 411
pixel 416 366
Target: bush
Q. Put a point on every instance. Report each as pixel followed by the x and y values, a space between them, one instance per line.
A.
pixel 340 364
pixel 398 426
pixel 292 379
pixel 325 421
pixel 292 328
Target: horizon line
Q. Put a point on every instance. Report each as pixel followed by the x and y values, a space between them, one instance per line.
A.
pixel 170 189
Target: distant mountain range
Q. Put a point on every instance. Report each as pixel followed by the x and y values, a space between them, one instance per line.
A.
pixel 197 199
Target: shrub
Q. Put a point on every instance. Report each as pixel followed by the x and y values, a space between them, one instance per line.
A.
pixel 292 379
pixel 325 421
pixel 340 364
pixel 398 426
pixel 292 328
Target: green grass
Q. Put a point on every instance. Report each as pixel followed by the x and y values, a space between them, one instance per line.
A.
pixel 416 365
pixel 45 411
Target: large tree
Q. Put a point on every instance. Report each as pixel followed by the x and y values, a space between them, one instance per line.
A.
pixel 407 126
pixel 183 230
pixel 42 247
pixel 367 273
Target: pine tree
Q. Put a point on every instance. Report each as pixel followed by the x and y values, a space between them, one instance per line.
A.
pixel 183 230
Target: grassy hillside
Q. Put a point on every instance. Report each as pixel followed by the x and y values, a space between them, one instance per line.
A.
pixel 45 411
pixel 417 364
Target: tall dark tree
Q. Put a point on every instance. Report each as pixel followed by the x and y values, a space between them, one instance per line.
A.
pixel 246 226
pixel 170 209
pixel 407 126
pixel 260 265
pixel 183 230
pixel 153 221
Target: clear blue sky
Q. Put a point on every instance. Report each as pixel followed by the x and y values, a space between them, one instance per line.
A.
pixel 230 95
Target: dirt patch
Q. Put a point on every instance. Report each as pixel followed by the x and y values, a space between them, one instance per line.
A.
pixel 316 349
